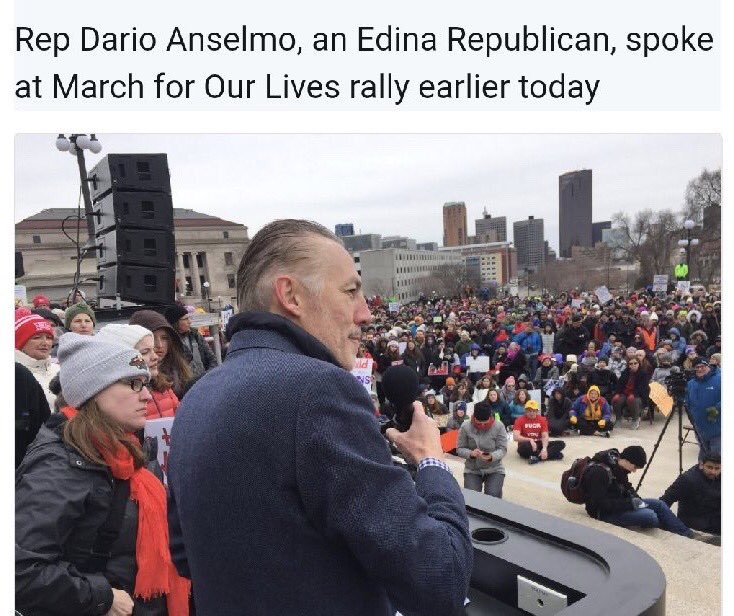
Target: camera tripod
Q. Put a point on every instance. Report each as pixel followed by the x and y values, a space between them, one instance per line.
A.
pixel 678 409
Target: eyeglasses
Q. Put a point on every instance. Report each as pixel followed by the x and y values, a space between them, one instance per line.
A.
pixel 137 384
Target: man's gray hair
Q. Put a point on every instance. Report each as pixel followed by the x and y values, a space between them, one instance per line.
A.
pixel 280 247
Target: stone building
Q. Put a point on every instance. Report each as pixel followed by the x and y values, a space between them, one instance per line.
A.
pixel 208 249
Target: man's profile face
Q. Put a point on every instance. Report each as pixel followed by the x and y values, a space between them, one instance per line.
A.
pixel 711 469
pixel 626 465
pixel 336 315
pixel 183 325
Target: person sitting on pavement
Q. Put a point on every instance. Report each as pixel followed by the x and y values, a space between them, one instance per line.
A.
pixel 458 417
pixel 500 408
pixel 530 432
pixel 631 394
pixel 698 494
pixel 436 409
pixel 703 400
pixel 617 361
pixel 591 413
pixel 603 378
pixel 517 406
pixel 559 409
pixel 508 390
pixel 610 497
pixel 482 442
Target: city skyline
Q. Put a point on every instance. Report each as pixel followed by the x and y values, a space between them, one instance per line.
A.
pixel 386 184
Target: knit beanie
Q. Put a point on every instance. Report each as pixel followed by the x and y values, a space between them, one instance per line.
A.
pixel 124 335
pixel 174 313
pixel 49 315
pixel 76 309
pixel 88 366
pixel 28 326
pixel 152 320
pixel 594 388
pixel 40 300
pixel 634 454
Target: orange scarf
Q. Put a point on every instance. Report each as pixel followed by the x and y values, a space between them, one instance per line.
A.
pixel 156 573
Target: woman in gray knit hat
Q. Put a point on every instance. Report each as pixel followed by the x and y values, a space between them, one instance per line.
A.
pixel 90 519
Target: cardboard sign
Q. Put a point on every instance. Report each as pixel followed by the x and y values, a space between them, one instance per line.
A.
pixel 362 371
pixel 160 429
pixel 683 287
pixel 660 282
pixel 21 294
pixel 659 395
pixel 603 294
pixel 477 364
pixel 225 316
pixel 442 370
pixel 393 306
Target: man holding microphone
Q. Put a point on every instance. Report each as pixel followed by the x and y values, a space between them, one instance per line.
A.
pixel 305 513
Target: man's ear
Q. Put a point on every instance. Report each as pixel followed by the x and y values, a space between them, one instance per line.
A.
pixel 288 297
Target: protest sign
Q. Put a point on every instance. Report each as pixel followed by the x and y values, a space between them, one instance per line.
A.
pixel 660 282
pixel 552 384
pixel 683 287
pixel 603 294
pixel 362 371
pixel 477 364
pixel 659 395
pixel 577 303
pixel 225 316
pixel 534 394
pixel 393 306
pixel 442 370
pixel 20 294
pixel 402 346
pixel 437 319
pixel 160 429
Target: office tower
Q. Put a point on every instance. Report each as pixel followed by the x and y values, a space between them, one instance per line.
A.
pixel 454 224
pixel 529 242
pixel 490 229
pixel 574 210
pixel 596 231
pixel 345 229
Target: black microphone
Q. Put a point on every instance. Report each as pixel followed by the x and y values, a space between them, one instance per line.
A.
pixel 401 389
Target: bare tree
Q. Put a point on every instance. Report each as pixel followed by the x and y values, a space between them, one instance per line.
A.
pixel 702 192
pixel 446 280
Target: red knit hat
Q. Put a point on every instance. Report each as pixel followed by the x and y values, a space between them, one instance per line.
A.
pixel 40 300
pixel 28 326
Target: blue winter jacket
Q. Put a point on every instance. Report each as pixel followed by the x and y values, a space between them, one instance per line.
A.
pixel 305 513
pixel 529 343
pixel 702 394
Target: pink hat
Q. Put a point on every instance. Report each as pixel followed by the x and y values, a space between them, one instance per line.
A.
pixel 40 300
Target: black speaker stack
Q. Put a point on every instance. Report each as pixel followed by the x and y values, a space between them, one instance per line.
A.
pixel 133 227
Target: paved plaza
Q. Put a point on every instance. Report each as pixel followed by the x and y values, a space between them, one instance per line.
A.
pixel 692 568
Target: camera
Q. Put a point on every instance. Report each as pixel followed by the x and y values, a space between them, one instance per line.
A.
pixel 677 381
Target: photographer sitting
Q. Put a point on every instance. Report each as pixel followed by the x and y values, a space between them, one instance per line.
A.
pixel 610 497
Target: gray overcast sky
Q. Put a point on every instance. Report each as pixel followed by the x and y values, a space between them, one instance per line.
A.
pixel 387 184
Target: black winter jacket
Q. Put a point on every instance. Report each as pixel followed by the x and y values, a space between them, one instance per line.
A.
pixel 698 498
pixel 642 383
pixel 605 493
pixel 31 410
pixel 61 501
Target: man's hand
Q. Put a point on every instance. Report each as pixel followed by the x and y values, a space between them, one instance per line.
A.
pixel 477 453
pixel 421 441
pixel 543 454
pixel 533 445
pixel 486 456
pixel 122 603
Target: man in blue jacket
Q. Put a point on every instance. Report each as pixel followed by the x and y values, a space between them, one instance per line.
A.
pixel 531 344
pixel 703 399
pixel 304 513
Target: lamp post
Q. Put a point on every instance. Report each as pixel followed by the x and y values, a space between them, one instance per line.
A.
pixel 686 244
pixel 205 289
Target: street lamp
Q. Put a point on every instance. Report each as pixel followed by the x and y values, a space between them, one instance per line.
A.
pixel 75 145
pixel 686 244
pixel 205 289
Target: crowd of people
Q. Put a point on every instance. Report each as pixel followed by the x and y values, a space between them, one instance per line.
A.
pixel 498 371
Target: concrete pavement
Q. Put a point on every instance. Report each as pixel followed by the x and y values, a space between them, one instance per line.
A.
pixel 692 568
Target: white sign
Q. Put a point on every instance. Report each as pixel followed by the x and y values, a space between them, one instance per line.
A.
pixel 534 394
pixel 660 282
pixel 362 371
pixel 577 303
pixel 402 346
pixel 225 316
pixel 394 306
pixel 683 287
pixel 551 385
pixel 603 294
pixel 160 429
pixel 20 294
pixel 477 364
